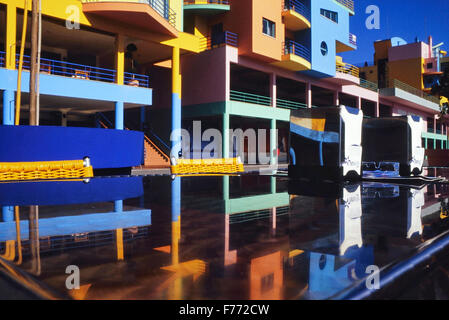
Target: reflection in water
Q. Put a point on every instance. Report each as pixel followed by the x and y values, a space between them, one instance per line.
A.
pixel 231 237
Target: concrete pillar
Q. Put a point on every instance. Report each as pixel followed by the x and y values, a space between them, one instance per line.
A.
pixel 377 110
pixel 309 95
pixel 273 143
pixel 11 25
pixel 119 115
pixel 226 142
pixel 359 103
pixel 273 90
pixel 8 107
pixel 120 59
pixel 8 214
pixel 434 124
pixel 143 118
pixel 176 103
pixel 336 98
pixel 118 208
pixel 64 119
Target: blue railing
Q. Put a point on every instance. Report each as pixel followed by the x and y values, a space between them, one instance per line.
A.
pixel 224 38
pixel 79 71
pixel 298 7
pixel 163 8
pixel 2 59
pixel 292 47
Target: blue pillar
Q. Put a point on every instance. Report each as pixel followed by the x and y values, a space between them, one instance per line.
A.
pixel 143 118
pixel 8 107
pixel 8 214
pixel 176 125
pixel 176 199
pixel 119 116
pixel 118 206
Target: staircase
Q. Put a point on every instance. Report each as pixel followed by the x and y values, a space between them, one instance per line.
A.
pixel 153 156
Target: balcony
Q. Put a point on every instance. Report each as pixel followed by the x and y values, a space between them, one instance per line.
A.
pixel 150 15
pixel 295 57
pixel 206 7
pixel 396 84
pixel 348 4
pixel 250 98
pixel 296 15
pixel 345 73
pixel 79 71
pixel 226 38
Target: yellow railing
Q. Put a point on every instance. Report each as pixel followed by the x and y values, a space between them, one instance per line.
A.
pixel 45 170
pixel 348 69
pixel 205 166
pixel 347 3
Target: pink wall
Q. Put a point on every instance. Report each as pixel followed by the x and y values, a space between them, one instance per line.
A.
pixel 204 77
pixel 409 51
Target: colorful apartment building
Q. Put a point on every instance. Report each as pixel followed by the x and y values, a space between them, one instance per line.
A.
pixel 95 59
pixel 158 66
pixel 412 68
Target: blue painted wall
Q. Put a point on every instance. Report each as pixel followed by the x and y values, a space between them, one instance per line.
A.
pixel 324 29
pixel 78 88
pixel 106 148
pixel 70 192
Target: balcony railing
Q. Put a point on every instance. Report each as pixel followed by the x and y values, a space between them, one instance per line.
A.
pixel 403 86
pixel 225 38
pixel 2 59
pixel 223 2
pixel 79 71
pixel 347 3
pixel 250 98
pixel 348 69
pixel 288 104
pixel 292 47
pixel 298 7
pixel 369 85
pixel 353 39
pixel 160 6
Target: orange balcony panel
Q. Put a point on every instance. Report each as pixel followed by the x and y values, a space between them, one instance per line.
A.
pixel 140 15
pixel 295 21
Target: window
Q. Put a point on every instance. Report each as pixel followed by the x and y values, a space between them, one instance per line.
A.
pixel 269 28
pixel 330 15
pixel 324 48
pixel 430 65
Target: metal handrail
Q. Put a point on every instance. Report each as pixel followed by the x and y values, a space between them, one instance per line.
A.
pixel 352 39
pixel 189 2
pixel 369 85
pixel 287 104
pixel 348 69
pixel 347 3
pixel 160 6
pixel 298 7
pixel 292 47
pixel 226 38
pixel 403 86
pixel 250 98
pixel 2 59
pixel 79 71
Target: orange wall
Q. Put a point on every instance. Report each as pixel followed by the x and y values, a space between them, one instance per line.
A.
pixel 408 71
pixel 264 45
pixel 381 49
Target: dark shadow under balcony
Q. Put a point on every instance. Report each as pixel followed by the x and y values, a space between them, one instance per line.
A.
pixel 150 15
pixel 206 7
pixel 296 15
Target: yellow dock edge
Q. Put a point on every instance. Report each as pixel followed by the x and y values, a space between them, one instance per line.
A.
pixel 207 166
pixel 70 169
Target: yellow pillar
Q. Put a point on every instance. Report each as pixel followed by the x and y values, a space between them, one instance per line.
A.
pixel 119 244
pixel 11 25
pixel 120 58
